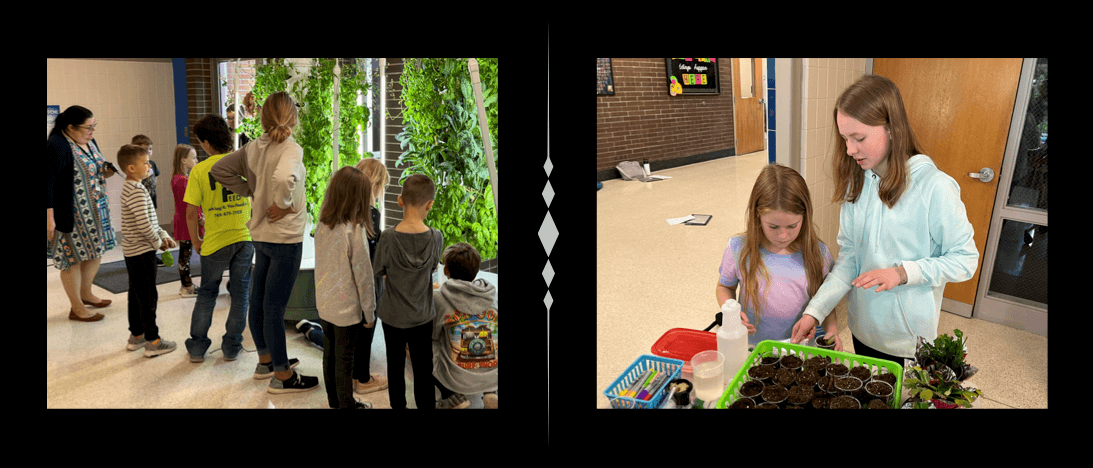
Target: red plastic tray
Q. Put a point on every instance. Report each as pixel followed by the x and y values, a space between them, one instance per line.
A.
pixel 683 344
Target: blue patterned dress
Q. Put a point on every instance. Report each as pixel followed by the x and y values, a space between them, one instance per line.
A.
pixel 92 234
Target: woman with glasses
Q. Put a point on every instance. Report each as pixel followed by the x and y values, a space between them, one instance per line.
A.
pixel 78 229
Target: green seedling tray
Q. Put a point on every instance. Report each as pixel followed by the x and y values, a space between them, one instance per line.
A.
pixel 779 348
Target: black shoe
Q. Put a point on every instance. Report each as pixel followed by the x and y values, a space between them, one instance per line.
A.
pixel 295 384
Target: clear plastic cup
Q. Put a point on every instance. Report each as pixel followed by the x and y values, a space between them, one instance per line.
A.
pixel 708 368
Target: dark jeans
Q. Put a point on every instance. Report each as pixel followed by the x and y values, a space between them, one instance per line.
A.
pixel 275 269
pixel 143 295
pixel 420 339
pixel 347 352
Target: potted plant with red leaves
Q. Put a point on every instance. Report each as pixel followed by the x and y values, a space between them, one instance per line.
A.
pixel 936 377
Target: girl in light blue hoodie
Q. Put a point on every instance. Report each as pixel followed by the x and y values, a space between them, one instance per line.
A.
pixel 903 230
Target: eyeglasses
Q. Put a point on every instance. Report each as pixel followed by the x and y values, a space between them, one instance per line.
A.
pixel 89 127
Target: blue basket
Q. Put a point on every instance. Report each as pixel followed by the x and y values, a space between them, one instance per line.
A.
pixel 661 364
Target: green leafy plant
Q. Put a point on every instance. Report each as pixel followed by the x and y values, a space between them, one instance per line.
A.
pixel 441 139
pixel 925 387
pixel 947 350
pixel 315 131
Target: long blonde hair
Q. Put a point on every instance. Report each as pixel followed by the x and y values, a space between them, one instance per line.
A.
pixel 874 100
pixel 778 188
pixel 375 171
pixel 279 116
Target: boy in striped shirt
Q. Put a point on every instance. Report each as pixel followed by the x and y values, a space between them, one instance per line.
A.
pixel 141 237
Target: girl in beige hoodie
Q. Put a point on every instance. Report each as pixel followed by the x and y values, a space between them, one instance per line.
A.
pixel 274 176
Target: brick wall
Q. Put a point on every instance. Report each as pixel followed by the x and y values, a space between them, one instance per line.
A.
pixel 202 95
pixel 643 121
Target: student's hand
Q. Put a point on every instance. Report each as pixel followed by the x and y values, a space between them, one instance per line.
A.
pixel 744 320
pixel 804 329
pixel 834 334
pixel 168 243
pixel 884 279
pixel 275 213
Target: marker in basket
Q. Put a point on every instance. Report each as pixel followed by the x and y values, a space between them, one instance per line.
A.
pixel 639 382
pixel 657 386
pixel 644 388
pixel 654 387
pixel 642 383
pixel 635 383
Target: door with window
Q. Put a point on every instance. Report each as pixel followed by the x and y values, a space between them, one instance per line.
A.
pixel 1013 289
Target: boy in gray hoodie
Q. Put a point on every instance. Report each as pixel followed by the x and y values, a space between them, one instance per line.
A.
pixel 465 331
pixel 408 255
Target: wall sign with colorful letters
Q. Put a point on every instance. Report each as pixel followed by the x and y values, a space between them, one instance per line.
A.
pixel 693 76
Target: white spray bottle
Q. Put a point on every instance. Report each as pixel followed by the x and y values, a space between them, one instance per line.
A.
pixel 732 339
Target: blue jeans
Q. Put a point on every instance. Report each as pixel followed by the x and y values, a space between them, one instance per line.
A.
pixel 275 269
pixel 237 259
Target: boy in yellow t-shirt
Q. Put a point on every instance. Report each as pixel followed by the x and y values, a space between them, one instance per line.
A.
pixel 225 246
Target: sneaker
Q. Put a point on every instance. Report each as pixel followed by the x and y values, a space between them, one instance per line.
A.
pixel 265 371
pixel 295 384
pixel 155 349
pixel 362 405
pixel 304 325
pixel 456 401
pixel 185 291
pixel 489 400
pixel 136 343
pixel 375 383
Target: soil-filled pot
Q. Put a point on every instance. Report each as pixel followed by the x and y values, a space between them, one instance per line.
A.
pixel 877 404
pixel 844 402
pixel 886 377
pixel 800 395
pixel 742 403
pixel 808 377
pixel 819 363
pixel 848 385
pixel 820 402
pixel 880 389
pixel 785 377
pixel 837 370
pixel 820 343
pixel 776 394
pixel 791 362
pixel 751 389
pixel 861 372
pixel 761 373
pixel 766 406
pixel 769 360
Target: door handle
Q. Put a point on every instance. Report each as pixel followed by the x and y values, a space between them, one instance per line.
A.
pixel 985 175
